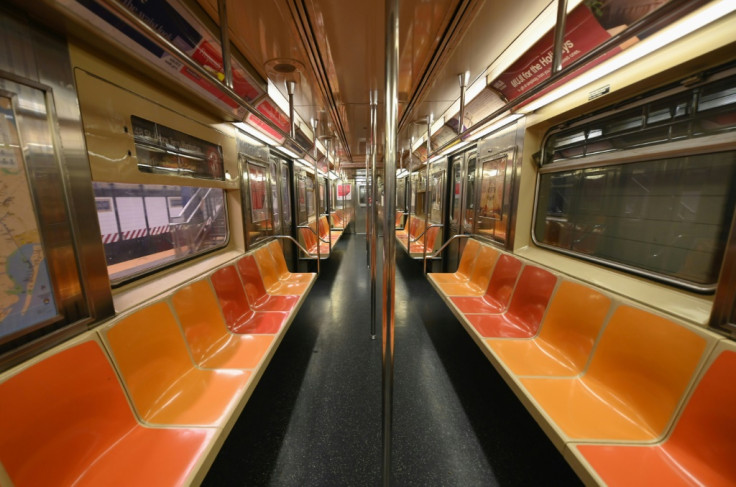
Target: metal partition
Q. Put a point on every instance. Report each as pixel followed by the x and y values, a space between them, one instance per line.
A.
pixel 50 290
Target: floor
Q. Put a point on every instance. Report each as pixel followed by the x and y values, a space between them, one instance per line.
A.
pixel 315 417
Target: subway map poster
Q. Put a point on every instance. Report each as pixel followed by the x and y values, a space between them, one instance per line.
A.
pixel 26 297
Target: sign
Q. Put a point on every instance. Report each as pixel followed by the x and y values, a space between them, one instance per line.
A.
pixel 26 297
pixel 582 33
pixel 175 23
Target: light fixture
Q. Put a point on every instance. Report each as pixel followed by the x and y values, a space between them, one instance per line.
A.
pixel 687 25
pixel 495 126
pixel 454 147
pixel 437 125
pixel 254 132
pixel 287 152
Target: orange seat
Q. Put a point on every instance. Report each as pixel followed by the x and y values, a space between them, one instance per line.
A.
pixel 700 449
pixel 429 239
pixel 240 318
pixel 282 271
pixel 524 314
pixel 212 345
pixel 258 298
pixel 637 376
pixel 327 233
pixel 467 260
pixel 310 240
pixel 270 276
pixel 569 330
pixel 416 226
pixel 65 421
pixel 479 276
pixel 163 383
pixel 498 293
pixel 399 219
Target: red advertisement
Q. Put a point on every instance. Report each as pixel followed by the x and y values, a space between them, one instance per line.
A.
pixel 582 33
pixel 210 57
pixel 273 113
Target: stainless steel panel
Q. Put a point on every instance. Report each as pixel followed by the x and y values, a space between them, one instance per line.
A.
pixel 35 69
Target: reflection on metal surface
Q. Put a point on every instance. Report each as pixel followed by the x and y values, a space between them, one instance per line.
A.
pixel 38 76
pixel 389 230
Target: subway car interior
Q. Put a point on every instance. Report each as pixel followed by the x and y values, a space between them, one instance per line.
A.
pixel 325 242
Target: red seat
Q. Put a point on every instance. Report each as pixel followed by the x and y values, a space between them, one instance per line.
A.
pixel 211 344
pixel 258 298
pixel 500 287
pixel 525 312
pixel 239 317
pixel 66 421
pixel 700 450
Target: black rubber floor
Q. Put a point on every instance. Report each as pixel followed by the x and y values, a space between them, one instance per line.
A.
pixel 315 417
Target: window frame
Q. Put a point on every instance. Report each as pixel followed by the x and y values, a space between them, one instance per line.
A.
pixel 698 145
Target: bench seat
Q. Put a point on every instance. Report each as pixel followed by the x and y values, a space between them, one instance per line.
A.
pixel 608 381
pixel 637 376
pixel 480 276
pixel 239 316
pixel 255 290
pixel 498 293
pixel 165 386
pixel 271 276
pixel 564 344
pixel 700 449
pixel 524 314
pixel 209 340
pixel 65 420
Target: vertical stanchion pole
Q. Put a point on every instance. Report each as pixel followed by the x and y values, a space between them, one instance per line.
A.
pixel 290 88
pixel 225 43
pixel 463 79
pixel 374 210
pixel 559 35
pixel 389 241
pixel 315 190
pixel 427 206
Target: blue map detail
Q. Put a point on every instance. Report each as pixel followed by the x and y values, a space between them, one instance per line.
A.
pixel 42 307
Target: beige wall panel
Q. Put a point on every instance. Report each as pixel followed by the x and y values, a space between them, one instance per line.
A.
pixel 693 53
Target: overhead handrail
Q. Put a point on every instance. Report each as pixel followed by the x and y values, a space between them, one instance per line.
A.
pixel 152 35
pixel 315 233
pixel 439 251
pixel 294 241
pixel 433 225
pixel 662 16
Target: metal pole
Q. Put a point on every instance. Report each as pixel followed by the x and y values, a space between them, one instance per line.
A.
pixel 463 79
pixel 559 35
pixel 369 149
pixel 426 190
pixel 290 87
pixel 151 34
pixel 225 43
pixel 374 210
pixel 315 190
pixel 389 241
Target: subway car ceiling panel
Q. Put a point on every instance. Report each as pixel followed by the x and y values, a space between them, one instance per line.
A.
pixel 336 63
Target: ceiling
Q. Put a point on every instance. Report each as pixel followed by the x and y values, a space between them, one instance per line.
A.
pixel 338 49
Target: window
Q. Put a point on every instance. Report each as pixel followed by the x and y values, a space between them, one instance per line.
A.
pixel 663 210
pixel 492 221
pixel 147 226
pixel 167 151
pixel 468 218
